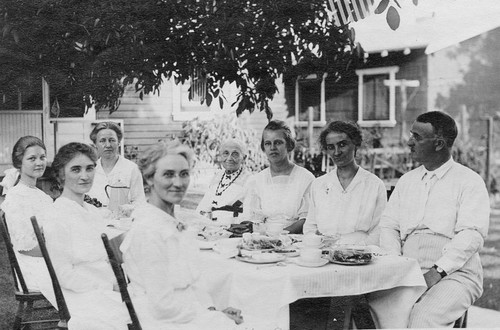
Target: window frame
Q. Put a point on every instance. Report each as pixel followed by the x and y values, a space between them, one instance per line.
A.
pixel 180 104
pixel 391 71
pixel 322 104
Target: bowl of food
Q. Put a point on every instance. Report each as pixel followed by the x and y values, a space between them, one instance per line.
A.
pixel 350 255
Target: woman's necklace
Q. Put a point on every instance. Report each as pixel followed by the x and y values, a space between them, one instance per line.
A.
pixel 226 181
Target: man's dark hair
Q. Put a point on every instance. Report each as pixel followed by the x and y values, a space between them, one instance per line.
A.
pixel 444 125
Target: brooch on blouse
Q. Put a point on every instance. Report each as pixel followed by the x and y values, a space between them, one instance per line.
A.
pixel 180 226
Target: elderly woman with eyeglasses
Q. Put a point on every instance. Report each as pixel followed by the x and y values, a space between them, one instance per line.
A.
pixel 349 200
pixel 113 173
pixel 160 252
pixel 223 200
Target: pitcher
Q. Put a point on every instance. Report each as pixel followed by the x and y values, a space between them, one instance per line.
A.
pixel 117 196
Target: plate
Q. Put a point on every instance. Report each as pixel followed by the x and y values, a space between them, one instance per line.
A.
pixel 303 263
pixel 348 263
pixel 264 258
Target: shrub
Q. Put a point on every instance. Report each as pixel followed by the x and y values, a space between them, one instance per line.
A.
pixel 205 137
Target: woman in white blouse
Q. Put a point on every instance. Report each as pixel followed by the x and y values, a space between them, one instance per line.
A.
pixel 23 201
pixel 349 200
pixel 227 186
pixel 121 175
pixel 160 253
pixel 73 231
pixel 278 193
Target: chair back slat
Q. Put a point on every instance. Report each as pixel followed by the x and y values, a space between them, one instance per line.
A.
pixel 14 264
pixel 115 259
pixel 64 314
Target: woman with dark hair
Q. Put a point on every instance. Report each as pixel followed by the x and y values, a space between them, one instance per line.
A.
pixel 120 174
pixel 23 201
pixel 160 253
pixel 349 200
pixel 278 193
pixel 73 231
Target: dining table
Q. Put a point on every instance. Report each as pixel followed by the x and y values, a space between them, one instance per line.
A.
pixel 391 284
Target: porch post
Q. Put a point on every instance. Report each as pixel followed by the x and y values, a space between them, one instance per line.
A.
pixel 46 128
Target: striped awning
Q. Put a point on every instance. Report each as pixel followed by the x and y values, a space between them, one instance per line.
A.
pixel 346 11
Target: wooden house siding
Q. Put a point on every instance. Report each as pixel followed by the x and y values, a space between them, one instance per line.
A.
pixel 145 121
pixel 153 118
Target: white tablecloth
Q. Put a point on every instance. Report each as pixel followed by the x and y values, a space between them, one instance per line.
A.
pixel 264 293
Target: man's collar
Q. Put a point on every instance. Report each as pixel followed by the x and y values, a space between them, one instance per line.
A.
pixel 441 170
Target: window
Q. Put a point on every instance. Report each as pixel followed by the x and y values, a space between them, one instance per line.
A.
pixel 183 108
pixel 310 92
pixel 377 96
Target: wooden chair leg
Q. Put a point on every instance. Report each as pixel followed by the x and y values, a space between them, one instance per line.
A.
pixel 28 313
pixel 348 320
pixel 19 316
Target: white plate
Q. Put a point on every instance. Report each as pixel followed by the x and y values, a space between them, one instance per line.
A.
pixel 303 263
pixel 264 258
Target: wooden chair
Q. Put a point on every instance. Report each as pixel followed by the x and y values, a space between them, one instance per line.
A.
pixel 23 295
pixel 64 314
pixel 115 259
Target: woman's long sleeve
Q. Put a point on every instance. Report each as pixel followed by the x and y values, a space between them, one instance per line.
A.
pixel 153 256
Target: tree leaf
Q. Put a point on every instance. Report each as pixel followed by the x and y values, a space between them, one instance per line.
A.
pixel 221 102
pixel 415 2
pixel 209 99
pixel 397 3
pixel 382 6
pixel 393 18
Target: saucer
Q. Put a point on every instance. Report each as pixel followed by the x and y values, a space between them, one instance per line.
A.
pixel 318 263
pixel 265 258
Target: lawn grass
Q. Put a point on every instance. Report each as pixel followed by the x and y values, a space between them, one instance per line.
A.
pixel 8 304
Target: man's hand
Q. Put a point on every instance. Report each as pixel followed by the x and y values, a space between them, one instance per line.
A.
pixel 234 314
pixel 432 277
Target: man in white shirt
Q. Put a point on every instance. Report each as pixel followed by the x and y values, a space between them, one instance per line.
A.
pixel 439 215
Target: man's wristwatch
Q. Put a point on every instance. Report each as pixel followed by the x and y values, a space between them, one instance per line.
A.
pixel 440 270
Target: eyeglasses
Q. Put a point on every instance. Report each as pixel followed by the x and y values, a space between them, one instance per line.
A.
pixel 234 155
pixel 419 138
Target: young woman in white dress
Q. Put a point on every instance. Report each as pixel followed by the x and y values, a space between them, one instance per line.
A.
pixel 278 193
pixel 23 201
pixel 160 253
pixel 122 175
pixel 73 231
pixel 349 200
pixel 227 186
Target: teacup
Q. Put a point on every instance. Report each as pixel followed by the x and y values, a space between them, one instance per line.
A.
pixel 259 227
pixel 310 255
pixel 312 240
pixel 274 228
